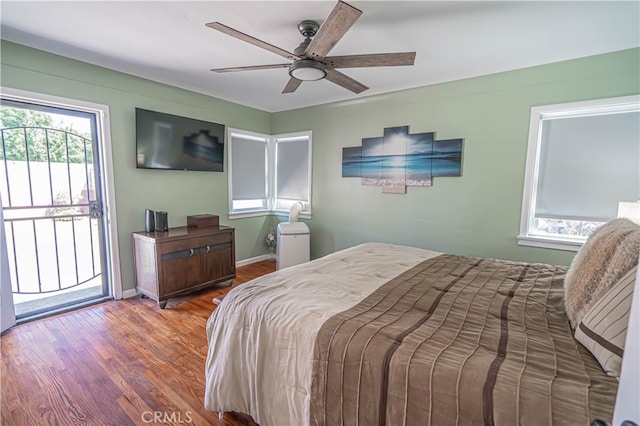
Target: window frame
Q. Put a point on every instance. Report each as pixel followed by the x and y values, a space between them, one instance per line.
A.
pixel 271 173
pixel 539 115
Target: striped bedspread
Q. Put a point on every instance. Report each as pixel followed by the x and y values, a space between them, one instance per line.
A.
pixel 454 341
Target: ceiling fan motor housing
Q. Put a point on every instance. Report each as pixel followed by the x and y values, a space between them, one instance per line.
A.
pixel 299 51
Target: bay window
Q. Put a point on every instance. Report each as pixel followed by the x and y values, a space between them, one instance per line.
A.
pixel 268 174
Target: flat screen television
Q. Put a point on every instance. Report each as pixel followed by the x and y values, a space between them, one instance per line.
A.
pixel 171 142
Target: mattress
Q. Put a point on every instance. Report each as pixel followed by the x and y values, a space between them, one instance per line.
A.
pixel 388 334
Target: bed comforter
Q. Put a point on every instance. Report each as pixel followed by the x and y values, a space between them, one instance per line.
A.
pixel 385 334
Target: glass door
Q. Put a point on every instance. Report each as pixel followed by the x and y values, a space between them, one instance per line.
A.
pixel 52 206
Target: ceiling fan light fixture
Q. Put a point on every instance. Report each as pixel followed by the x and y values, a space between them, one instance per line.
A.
pixel 307 70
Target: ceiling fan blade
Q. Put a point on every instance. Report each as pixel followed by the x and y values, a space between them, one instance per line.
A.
pixel 292 85
pixel 251 67
pixel 345 81
pixel 372 60
pixel 245 37
pixel 341 18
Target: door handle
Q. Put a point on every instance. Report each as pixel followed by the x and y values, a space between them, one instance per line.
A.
pixel 95 209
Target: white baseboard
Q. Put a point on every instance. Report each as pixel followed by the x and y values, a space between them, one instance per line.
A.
pixel 129 293
pixel 255 259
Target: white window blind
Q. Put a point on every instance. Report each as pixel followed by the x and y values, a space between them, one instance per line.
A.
pixel 588 165
pixel 292 171
pixel 248 182
pixel 583 160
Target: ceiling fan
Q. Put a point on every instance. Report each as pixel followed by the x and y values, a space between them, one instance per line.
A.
pixel 310 60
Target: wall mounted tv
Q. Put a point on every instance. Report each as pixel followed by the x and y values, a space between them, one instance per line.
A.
pixel 165 141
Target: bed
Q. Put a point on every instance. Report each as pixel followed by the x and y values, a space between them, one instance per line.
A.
pixel 387 334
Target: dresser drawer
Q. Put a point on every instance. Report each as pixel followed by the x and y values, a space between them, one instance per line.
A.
pixel 212 240
pixel 179 245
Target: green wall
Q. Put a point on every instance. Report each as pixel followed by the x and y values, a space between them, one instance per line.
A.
pixel 179 193
pixel 476 214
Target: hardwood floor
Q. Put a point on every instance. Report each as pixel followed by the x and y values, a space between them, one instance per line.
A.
pixel 121 362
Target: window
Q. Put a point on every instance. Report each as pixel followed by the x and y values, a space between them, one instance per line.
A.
pixel 268 173
pixel 583 160
pixel 248 172
pixel 293 174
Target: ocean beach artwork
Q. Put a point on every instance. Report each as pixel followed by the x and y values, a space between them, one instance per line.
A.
pixel 352 161
pixel 399 158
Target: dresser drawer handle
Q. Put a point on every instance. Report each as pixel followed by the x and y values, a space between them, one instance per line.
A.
pixel 191 252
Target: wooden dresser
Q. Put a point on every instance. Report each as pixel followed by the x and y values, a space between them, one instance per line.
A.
pixel 182 260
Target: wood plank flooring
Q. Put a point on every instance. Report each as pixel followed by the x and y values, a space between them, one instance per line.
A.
pixel 121 362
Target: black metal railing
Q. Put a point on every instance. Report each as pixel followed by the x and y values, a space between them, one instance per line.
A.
pixel 32 277
pixel 52 230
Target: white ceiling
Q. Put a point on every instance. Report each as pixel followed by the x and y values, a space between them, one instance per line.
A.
pixel 168 41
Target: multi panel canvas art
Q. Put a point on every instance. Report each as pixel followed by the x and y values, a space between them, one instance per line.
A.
pixel 399 158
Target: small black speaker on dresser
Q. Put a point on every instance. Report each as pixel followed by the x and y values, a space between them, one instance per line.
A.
pixel 149 220
pixel 162 221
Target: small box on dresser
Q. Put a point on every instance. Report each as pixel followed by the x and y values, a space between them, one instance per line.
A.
pixel 203 220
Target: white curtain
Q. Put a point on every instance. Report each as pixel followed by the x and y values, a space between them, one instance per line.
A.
pixel 7 311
